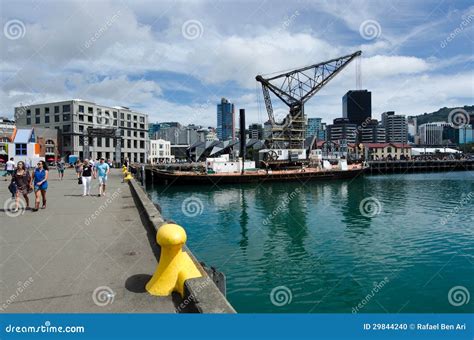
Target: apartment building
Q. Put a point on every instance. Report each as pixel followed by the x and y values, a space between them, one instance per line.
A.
pixel 73 118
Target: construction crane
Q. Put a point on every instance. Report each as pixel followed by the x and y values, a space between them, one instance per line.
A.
pixel 295 88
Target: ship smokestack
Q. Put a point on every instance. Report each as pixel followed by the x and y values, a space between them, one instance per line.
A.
pixel 243 140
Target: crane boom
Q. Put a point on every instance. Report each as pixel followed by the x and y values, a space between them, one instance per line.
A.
pixel 295 88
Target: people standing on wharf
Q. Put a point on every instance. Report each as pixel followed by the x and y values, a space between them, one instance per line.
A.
pixel 87 170
pixel 60 167
pixel 10 167
pixel 40 177
pixel 22 179
pixel 78 167
pixel 101 171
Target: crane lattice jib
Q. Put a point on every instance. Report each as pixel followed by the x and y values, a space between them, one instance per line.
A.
pixel 294 88
pixel 297 86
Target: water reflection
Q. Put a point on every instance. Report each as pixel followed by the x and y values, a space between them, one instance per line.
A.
pixel 244 219
pixel 316 242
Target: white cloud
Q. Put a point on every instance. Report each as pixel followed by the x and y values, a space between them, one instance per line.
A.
pixel 101 51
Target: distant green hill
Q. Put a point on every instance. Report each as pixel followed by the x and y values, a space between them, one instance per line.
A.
pixel 441 115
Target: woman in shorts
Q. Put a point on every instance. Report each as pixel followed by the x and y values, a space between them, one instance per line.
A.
pixel 40 179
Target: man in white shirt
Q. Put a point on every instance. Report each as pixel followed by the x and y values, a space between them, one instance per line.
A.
pixel 10 168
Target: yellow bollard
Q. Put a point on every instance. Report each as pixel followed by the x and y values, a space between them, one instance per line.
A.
pixel 128 176
pixel 175 265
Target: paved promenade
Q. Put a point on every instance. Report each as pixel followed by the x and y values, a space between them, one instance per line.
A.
pixel 80 254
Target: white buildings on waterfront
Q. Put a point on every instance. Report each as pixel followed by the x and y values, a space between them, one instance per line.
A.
pixel 432 133
pixel 160 151
pixel 73 118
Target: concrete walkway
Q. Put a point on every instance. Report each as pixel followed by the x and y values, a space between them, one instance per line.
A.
pixel 80 254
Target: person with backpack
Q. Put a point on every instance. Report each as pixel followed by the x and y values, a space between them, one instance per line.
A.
pixel 21 179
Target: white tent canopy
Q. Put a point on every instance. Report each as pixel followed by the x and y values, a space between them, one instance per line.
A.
pixel 432 151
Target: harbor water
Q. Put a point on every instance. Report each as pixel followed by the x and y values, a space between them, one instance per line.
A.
pixel 374 244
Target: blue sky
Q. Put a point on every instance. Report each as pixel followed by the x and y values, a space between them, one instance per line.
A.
pixel 175 60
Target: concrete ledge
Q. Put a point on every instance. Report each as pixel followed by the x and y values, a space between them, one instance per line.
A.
pixel 201 294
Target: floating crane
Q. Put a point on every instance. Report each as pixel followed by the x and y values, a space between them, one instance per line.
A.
pixel 295 88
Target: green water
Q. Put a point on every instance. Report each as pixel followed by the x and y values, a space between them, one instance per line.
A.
pixel 312 247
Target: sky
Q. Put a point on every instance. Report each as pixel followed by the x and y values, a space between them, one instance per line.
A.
pixel 175 60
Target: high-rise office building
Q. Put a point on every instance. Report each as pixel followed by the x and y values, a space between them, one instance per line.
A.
pixel 178 134
pixel 396 127
pixel 255 131
pixel 412 128
pixel 225 120
pixel 372 132
pixel 313 127
pixel 342 130
pixel 267 129
pixel 357 106
pixel 153 128
pixel 323 132
pixel 432 133
pixel 73 118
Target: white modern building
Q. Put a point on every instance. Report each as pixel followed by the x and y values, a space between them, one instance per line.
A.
pixel 431 133
pixel 160 151
pixel 73 118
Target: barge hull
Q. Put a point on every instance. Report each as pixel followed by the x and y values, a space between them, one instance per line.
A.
pixel 165 177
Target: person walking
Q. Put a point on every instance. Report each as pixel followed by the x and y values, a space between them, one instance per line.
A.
pixel 10 168
pixel 87 170
pixel 101 171
pixel 60 166
pixel 40 178
pixel 22 180
pixel 78 168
